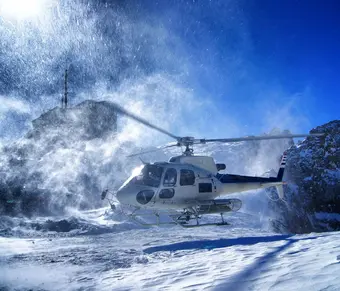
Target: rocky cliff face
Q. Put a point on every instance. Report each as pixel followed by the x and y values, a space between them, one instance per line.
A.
pixel 313 189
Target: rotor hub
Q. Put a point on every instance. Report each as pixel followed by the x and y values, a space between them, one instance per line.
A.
pixel 188 142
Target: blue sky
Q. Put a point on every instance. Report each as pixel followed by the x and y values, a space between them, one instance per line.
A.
pixel 261 53
pixel 262 64
pixel 297 44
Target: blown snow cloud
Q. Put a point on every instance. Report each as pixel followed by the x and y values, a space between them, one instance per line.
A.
pixel 11 104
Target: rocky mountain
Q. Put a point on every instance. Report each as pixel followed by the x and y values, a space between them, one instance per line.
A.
pixel 313 189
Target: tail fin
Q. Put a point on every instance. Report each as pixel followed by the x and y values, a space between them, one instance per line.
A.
pixel 280 192
pixel 282 167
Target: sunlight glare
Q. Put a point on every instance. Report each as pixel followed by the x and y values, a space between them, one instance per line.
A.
pixel 137 171
pixel 21 9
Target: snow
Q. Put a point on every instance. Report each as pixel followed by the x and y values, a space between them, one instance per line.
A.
pixel 96 250
pixel 243 256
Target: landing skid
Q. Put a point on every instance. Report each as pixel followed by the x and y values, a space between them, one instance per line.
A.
pixel 182 219
pixel 188 218
pixel 137 218
pixel 134 213
pixel 185 224
pixel 204 224
pixel 185 219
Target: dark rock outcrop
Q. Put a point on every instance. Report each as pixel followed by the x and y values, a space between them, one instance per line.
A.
pixel 313 190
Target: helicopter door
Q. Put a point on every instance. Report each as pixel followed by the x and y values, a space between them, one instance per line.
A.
pixel 206 187
pixel 187 184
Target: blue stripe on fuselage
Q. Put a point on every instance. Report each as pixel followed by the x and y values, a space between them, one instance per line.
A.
pixel 227 178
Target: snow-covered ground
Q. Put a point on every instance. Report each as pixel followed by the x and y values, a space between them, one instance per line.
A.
pixel 114 254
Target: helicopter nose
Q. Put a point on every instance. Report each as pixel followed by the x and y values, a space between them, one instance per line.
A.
pixel 134 196
pixel 124 195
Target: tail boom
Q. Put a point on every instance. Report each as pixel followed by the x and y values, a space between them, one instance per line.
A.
pixel 238 183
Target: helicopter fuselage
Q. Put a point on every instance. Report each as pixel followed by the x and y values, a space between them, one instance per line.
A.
pixel 178 185
pixel 189 181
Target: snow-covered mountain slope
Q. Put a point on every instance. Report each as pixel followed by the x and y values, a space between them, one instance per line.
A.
pixel 233 257
pixel 313 190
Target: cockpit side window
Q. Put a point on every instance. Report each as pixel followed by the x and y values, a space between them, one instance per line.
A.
pixel 170 177
pixel 151 176
pixel 187 177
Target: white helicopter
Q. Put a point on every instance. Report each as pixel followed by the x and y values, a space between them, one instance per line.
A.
pixel 188 185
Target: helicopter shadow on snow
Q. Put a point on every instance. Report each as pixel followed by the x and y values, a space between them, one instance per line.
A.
pixel 239 281
pixel 223 243
pixel 215 244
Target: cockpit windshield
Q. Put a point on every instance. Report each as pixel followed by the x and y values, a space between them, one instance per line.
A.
pixel 150 176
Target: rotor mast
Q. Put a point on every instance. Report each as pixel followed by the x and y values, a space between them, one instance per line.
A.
pixel 188 142
pixel 189 151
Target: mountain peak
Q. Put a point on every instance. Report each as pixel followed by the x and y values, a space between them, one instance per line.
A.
pixel 91 119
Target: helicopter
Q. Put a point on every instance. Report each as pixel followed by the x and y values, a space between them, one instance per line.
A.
pixel 188 186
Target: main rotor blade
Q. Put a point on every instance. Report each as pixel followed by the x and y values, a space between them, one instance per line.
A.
pixel 154 150
pixel 266 137
pixel 123 111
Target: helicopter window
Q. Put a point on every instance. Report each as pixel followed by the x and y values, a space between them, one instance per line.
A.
pixel 187 177
pixel 143 197
pixel 167 193
pixel 204 187
pixel 170 177
pixel 150 176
